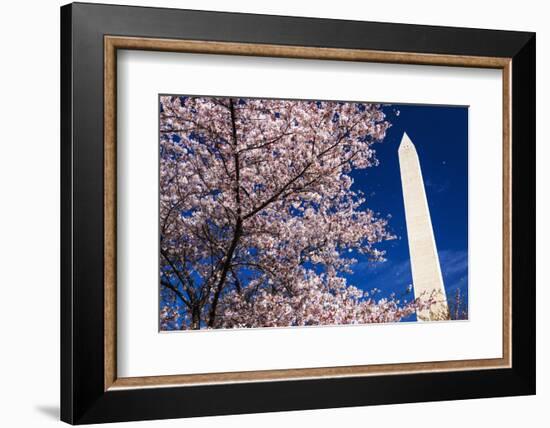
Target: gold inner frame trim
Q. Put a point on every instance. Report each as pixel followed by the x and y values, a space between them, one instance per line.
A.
pixel 113 43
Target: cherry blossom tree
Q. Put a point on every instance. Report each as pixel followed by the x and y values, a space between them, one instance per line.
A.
pixel 259 222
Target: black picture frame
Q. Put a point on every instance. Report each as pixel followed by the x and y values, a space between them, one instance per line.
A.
pixel 83 396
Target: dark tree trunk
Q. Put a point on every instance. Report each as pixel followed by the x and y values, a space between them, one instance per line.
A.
pixel 196 318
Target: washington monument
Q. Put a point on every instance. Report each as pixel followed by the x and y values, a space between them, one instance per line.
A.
pixel 426 271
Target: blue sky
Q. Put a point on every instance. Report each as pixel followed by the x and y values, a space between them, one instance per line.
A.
pixel 440 134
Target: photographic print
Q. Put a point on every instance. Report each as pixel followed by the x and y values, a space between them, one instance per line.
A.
pixel 290 213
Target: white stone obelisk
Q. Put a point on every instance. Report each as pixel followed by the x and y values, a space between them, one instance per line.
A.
pixel 426 271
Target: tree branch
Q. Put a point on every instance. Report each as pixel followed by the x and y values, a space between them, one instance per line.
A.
pixel 176 292
pixel 238 226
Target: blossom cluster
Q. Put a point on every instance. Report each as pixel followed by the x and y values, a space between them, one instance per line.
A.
pixel 259 219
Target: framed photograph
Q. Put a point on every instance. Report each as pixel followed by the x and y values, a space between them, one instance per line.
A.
pixel 266 213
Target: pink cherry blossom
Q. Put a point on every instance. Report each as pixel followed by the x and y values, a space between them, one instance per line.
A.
pixel 258 218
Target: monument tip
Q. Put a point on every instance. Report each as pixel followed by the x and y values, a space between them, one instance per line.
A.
pixel 405 142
